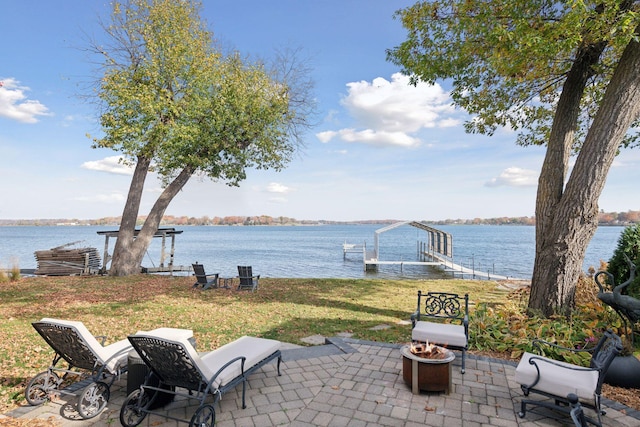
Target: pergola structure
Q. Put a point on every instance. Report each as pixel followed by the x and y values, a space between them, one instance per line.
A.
pixel 162 233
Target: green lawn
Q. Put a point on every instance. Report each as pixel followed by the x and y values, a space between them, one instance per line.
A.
pixel 284 309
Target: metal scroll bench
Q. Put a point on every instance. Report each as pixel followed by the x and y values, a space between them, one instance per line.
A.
pixel 178 366
pixel 442 318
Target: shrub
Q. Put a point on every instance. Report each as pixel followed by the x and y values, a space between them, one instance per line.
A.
pixel 10 275
pixel 14 273
pixel 508 328
pixel 628 244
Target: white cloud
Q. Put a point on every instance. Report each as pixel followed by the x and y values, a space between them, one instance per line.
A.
pixel 380 138
pixel 326 136
pixel 392 112
pixel 110 164
pixel 104 198
pixel 275 187
pixel 514 177
pixel 15 106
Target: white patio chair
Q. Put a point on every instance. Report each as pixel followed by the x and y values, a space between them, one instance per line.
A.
pixel 556 380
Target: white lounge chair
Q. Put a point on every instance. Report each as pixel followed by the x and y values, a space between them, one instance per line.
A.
pixel 177 365
pixel 74 344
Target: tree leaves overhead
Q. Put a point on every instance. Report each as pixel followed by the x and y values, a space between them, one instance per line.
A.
pixel 507 59
pixel 169 95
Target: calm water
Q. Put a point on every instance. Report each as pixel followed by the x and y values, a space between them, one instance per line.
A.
pixel 312 251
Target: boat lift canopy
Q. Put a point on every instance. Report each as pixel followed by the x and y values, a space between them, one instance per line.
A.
pixel 439 241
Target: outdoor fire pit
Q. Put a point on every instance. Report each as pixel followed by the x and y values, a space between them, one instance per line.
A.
pixel 427 367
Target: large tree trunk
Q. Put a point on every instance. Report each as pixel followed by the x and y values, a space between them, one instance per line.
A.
pixel 129 251
pixel 566 220
pixel 123 261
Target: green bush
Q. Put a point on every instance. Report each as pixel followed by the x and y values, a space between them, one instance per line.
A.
pixel 508 329
pixel 628 244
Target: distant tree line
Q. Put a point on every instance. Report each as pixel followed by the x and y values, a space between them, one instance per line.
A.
pixel 605 218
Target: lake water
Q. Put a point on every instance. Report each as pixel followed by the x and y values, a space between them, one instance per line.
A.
pixel 312 251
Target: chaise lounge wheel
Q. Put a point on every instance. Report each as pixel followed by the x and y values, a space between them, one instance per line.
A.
pixel 37 391
pixel 133 409
pixel 205 416
pixel 93 399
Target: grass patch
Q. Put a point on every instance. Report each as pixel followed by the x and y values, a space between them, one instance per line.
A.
pixel 283 309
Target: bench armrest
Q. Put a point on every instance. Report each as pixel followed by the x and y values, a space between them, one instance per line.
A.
pixel 415 316
pixel 465 323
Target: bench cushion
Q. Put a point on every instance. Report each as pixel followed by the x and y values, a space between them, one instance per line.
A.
pixel 557 380
pixel 445 334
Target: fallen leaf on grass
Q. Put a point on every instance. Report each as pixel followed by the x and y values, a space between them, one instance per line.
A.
pixel 429 408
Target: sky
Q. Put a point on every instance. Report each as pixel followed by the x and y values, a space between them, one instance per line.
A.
pixel 382 149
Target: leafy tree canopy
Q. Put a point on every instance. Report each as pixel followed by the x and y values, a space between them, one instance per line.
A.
pixel 508 59
pixel 169 95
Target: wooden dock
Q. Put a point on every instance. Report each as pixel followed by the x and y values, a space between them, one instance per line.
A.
pixel 66 260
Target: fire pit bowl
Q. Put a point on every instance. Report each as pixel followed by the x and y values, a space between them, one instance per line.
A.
pixel 430 373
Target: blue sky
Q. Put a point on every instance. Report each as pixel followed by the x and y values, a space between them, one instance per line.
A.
pixel 382 149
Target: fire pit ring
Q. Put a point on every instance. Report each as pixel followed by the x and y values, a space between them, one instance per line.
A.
pixel 427 374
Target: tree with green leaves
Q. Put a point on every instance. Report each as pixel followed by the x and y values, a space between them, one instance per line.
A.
pixel 174 104
pixel 562 74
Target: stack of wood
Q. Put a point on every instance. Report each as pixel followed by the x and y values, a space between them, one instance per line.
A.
pixel 64 261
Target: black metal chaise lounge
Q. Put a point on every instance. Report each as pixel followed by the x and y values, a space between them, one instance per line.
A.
pixel 178 366
pixel 74 344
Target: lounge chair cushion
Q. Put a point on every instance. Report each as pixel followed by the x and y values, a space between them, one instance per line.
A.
pixel 557 380
pixel 253 348
pixel 446 334
pixel 111 356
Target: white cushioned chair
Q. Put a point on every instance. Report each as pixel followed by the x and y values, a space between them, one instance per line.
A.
pixel 442 318
pixel 556 379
